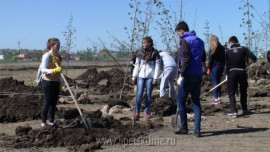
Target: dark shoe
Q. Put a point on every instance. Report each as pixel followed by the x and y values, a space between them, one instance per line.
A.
pixel 180 131
pixel 197 134
pixel 246 112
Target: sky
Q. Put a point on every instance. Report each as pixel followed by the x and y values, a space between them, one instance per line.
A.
pixel 33 22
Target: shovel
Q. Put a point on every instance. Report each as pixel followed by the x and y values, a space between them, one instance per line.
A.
pixel 174 119
pixel 206 93
pixel 87 123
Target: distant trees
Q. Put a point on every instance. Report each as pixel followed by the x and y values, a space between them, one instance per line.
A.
pixel 256 39
pixel 152 14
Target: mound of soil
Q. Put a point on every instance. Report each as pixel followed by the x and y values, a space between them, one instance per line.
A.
pixel 22 130
pixel 88 74
pixel 10 85
pixel 163 106
pixel 75 138
pixel 20 108
pixel 259 70
pixel 211 110
pixel 104 82
pixel 15 108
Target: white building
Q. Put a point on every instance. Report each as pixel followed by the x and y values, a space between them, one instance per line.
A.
pixel 2 57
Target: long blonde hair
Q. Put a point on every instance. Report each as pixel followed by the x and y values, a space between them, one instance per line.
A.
pixel 213 43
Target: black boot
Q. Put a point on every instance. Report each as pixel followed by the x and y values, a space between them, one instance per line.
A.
pixel 180 131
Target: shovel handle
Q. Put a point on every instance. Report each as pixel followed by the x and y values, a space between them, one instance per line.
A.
pixel 214 87
pixel 71 93
pixel 267 86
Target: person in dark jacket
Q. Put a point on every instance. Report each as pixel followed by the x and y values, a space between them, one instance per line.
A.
pixel 268 56
pixel 132 61
pixel 236 71
pixel 190 78
pixel 216 65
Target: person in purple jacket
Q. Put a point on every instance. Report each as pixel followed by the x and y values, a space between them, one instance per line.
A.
pixel 190 78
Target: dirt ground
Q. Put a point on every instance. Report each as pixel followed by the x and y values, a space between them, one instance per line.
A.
pixel 112 119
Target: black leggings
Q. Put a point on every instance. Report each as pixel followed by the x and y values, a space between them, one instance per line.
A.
pixel 51 91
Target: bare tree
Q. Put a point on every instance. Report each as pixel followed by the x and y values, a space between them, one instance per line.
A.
pixel 247 22
pixel 207 35
pixel 69 36
pixel 221 33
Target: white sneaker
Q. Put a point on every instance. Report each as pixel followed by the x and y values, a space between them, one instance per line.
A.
pixel 51 124
pixel 42 125
pixel 234 115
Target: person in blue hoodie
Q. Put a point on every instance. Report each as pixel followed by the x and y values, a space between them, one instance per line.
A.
pixel 168 75
pixel 190 78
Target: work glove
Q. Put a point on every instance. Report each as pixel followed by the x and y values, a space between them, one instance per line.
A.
pixel 61 87
pixel 180 80
pixel 57 70
pixel 154 82
pixel 134 80
pixel 208 72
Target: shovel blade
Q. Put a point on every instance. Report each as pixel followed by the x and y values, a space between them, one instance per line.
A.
pixel 175 121
pixel 87 123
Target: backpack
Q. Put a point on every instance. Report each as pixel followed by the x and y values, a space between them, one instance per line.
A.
pixel 39 76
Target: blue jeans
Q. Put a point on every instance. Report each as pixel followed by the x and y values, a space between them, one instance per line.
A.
pixel 191 84
pixel 216 75
pixel 144 83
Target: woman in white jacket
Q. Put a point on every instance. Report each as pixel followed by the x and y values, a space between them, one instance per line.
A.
pixel 146 70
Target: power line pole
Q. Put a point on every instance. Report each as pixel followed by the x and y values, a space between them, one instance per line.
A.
pixel 267 34
pixel 181 10
pixel 221 33
pixel 19 45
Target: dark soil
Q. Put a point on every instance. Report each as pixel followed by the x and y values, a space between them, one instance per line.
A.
pixel 105 82
pixel 22 130
pixel 88 74
pixel 164 106
pixel 78 139
pixel 20 108
pixel 10 85
pixel 259 70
